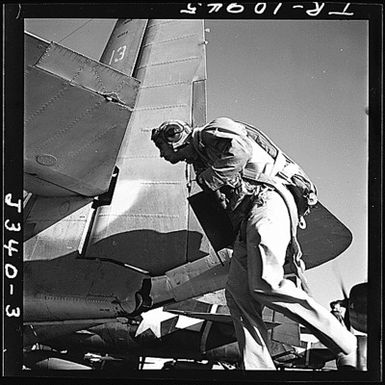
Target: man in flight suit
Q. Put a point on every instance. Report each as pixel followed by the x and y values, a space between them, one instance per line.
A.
pixel 219 152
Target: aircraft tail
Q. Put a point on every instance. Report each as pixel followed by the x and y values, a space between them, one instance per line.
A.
pixel 122 49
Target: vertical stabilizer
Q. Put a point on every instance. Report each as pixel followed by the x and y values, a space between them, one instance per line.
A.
pixel 148 224
pixel 122 48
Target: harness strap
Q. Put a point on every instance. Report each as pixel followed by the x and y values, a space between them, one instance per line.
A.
pixel 279 164
pixel 198 144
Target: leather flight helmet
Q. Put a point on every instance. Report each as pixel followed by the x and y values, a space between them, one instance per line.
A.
pixel 173 132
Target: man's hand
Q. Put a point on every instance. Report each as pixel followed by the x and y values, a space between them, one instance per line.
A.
pixel 221 199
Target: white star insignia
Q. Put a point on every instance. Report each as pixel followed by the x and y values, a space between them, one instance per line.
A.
pixel 152 320
pixel 188 323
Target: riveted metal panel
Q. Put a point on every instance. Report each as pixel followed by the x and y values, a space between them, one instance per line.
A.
pixel 43 188
pixel 69 123
pixel 133 171
pixel 71 279
pixel 58 226
pixel 46 212
pixel 175 94
pixel 147 222
pixel 176 72
pixel 88 73
pixel 34 47
pixel 72 135
pixel 76 113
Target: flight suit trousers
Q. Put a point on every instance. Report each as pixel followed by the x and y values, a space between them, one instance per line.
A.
pixel 256 279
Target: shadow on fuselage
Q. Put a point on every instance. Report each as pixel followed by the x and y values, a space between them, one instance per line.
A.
pixel 101 270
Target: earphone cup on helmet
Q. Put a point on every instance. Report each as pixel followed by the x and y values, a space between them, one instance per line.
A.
pixel 173 133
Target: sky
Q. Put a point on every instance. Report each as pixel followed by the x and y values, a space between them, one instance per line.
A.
pixel 305 84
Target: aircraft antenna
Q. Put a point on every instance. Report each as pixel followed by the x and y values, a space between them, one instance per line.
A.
pixel 77 29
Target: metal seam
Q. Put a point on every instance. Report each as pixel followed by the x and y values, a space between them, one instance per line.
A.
pixel 165 22
pixel 78 299
pixel 44 106
pixel 46 52
pixel 181 37
pixel 165 84
pixel 191 58
pixel 83 65
pixel 66 52
pixel 68 127
pixel 98 79
pixel 160 107
pixel 60 92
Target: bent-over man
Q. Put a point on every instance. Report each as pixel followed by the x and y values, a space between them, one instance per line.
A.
pixel 266 214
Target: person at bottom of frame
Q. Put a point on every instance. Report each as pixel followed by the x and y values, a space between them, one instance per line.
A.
pixel 219 151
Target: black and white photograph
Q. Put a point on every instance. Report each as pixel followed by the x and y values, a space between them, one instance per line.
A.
pixel 200 194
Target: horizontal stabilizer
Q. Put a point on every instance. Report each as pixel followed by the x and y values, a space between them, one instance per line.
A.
pixel 76 114
pixel 324 238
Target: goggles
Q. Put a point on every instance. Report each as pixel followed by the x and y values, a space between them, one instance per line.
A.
pixel 172 132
